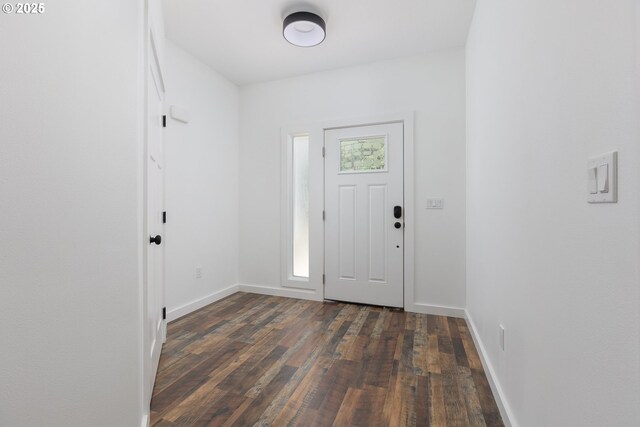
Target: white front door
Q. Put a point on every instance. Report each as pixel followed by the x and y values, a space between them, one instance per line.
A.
pixel 364 226
pixel 154 328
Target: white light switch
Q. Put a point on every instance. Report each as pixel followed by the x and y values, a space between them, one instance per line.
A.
pixel 602 174
pixel 593 180
pixel 603 181
pixel 435 203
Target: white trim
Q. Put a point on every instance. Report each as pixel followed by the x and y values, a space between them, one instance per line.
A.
pixel 436 310
pixel 150 49
pixel 316 204
pixel 143 407
pixel 503 405
pixel 281 292
pixel 409 211
pixel 192 306
pixel 156 55
pixel 145 420
pixel 286 212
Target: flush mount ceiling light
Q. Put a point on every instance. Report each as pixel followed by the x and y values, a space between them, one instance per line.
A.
pixel 304 29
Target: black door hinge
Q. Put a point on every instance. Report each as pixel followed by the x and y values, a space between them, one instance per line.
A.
pixel 164 313
pixel 164 121
pixel 164 217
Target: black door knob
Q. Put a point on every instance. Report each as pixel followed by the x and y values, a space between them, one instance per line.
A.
pixel 397 225
pixel 157 240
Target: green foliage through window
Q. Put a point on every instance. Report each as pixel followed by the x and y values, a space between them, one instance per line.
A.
pixel 357 155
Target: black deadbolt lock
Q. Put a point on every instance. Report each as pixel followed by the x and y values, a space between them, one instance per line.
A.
pixel 397 225
pixel 397 212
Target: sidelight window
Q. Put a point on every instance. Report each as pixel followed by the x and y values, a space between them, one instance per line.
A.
pixel 300 205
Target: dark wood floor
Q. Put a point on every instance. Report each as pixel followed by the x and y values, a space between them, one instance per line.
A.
pixel 261 360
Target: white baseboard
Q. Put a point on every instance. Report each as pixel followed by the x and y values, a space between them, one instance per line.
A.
pixel 176 313
pixel 145 420
pixel 437 310
pixel 281 292
pixel 501 400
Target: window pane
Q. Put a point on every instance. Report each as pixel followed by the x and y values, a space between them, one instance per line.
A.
pixel 300 177
pixel 367 154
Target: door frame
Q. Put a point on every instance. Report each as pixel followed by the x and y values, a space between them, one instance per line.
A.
pixel 150 49
pixel 314 289
pixel 407 120
pixel 317 206
pixel 358 289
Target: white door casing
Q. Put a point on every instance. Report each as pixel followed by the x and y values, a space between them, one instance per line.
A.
pixel 364 251
pixel 154 325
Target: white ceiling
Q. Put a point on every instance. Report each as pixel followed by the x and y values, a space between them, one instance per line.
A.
pixel 242 39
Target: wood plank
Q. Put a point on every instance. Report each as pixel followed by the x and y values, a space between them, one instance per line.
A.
pixel 433 355
pixel 176 371
pixel 264 360
pixel 470 394
pixel 381 364
pixel 454 403
pixel 370 407
pixel 437 412
pixel 284 397
pixel 345 414
pixel 421 346
pixel 490 411
pixel 252 413
pixel 194 378
pixel 422 401
pixel 333 389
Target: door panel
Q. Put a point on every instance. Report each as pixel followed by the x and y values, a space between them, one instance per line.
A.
pixel 378 241
pixel 347 212
pixel 364 251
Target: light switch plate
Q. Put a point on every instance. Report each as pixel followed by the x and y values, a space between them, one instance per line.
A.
pixel 593 180
pixel 606 166
pixel 435 203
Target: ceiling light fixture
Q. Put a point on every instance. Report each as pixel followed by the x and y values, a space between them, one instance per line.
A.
pixel 304 29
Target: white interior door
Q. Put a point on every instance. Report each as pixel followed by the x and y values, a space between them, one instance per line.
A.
pixel 364 227
pixel 154 328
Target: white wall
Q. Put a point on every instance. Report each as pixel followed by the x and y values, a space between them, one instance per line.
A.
pixel 201 182
pixel 70 203
pixel 549 85
pixel 431 85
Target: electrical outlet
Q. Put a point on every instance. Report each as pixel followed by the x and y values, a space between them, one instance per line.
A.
pixel 198 272
pixel 501 337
